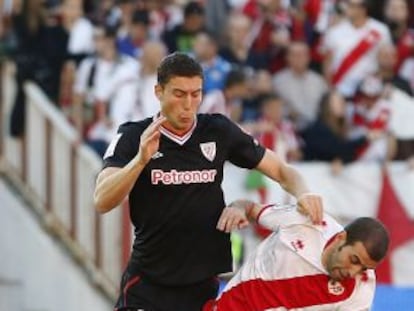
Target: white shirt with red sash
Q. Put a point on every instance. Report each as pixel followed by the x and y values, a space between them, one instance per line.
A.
pixel 286 273
pixel 354 52
pixel 363 120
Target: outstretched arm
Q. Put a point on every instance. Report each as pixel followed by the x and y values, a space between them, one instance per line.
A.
pixel 271 216
pixel 238 214
pixel 289 178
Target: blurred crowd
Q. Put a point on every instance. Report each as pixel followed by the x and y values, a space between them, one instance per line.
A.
pixel 313 80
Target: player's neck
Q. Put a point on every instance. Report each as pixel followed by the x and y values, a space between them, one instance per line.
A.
pixel 178 132
pixel 359 22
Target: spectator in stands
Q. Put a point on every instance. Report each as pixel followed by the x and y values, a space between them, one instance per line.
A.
pixel 305 267
pixel 181 37
pixel 300 88
pixel 397 18
pixel 215 68
pixel 131 42
pixel 236 47
pixel 164 16
pixel 351 47
pixel 217 13
pixel 125 9
pixel 80 45
pixel 106 86
pixel 80 29
pixel 106 13
pixel 260 85
pixel 319 16
pixel 39 52
pixel 326 139
pixel 371 112
pixel 152 54
pixel 387 60
pixel 280 134
pixel 407 71
pixel 272 31
pixel 228 100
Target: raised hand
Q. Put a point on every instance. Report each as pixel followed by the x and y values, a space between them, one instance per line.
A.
pixel 311 204
pixel 150 141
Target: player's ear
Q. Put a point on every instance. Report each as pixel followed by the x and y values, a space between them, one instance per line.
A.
pixel 341 236
pixel 158 91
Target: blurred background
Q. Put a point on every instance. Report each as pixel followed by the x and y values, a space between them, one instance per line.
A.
pixel 327 84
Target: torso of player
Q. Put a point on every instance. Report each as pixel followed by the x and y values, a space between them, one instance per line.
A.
pixel 184 174
pixel 289 277
pixel 177 199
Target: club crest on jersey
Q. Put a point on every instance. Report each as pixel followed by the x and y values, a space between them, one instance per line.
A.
pixel 208 150
pixel 335 288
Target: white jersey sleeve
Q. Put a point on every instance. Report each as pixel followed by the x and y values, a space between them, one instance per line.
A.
pixel 274 216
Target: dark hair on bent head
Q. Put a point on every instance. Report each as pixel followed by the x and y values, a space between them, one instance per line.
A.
pixel 371 233
pixel 178 65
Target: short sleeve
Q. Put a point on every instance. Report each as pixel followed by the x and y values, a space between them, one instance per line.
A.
pixel 274 216
pixel 245 151
pixel 122 148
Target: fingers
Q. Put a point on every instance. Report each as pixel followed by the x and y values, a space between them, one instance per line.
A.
pixel 151 136
pixel 311 204
pixel 154 126
pixel 232 219
pixel 149 142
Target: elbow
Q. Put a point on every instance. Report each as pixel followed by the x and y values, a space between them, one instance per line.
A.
pixel 99 205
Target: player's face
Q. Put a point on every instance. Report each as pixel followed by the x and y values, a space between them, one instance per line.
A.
pixel 180 99
pixel 346 261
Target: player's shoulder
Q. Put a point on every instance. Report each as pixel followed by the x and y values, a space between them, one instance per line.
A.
pixel 378 25
pixel 134 127
pixel 339 27
pixel 329 227
pixel 212 120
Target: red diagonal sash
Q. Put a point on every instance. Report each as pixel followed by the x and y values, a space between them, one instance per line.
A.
pixel 369 41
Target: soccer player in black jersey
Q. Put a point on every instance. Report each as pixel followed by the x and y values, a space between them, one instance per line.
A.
pixel 171 167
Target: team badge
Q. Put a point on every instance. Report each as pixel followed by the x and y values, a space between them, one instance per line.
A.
pixel 208 150
pixel 335 288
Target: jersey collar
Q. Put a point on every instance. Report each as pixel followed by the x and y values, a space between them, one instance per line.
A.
pixel 181 140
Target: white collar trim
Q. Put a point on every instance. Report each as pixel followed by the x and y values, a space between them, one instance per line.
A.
pixel 181 140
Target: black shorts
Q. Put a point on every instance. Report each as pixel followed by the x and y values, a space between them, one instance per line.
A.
pixel 137 294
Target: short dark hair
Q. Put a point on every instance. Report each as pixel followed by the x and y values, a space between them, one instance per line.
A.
pixel 373 235
pixel 141 17
pixel 268 97
pixel 234 77
pixel 178 64
pixel 193 8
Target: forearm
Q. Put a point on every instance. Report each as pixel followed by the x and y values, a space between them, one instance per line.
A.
pixel 283 173
pixel 292 181
pixel 112 189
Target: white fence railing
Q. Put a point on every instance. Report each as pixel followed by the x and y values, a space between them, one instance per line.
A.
pixel 57 174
